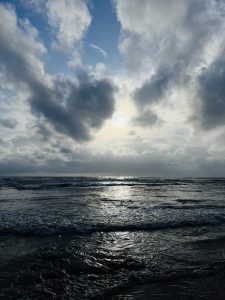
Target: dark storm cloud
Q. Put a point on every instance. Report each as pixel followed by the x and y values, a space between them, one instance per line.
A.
pixel 11 124
pixel 152 90
pixel 72 108
pixel 211 92
pixel 40 128
pixel 146 119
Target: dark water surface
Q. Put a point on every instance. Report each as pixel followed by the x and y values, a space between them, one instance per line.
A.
pixel 112 238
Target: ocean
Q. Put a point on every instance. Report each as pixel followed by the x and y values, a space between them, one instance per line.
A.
pixel 112 238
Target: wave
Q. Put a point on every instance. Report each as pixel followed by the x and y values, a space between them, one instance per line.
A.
pixel 90 229
pixel 45 186
pixel 36 183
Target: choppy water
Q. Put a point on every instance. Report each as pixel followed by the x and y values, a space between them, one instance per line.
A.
pixel 112 238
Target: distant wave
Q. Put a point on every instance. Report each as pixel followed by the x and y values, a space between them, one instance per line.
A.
pixel 36 183
pixel 85 184
pixel 89 229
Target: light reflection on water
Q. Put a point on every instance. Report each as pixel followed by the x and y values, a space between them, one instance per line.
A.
pixel 119 193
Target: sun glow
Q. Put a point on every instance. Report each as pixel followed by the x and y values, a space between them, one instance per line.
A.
pixel 120 119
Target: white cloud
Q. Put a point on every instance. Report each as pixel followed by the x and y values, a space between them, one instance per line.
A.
pixel 99 50
pixel 147 16
pixel 70 19
pixel 172 43
pixel 24 41
pixel 168 32
pixel 36 5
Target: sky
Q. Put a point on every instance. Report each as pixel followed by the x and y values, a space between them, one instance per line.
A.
pixel 112 87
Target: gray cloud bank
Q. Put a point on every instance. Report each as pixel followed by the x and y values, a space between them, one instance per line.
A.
pixel 211 92
pixel 11 124
pixel 110 165
pixel 146 119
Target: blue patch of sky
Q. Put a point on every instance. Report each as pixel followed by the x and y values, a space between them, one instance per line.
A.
pixel 104 32
pixel 56 62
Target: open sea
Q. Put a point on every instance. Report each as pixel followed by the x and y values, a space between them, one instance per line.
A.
pixel 112 238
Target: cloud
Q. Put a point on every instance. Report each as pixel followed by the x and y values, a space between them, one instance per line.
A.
pixel 168 48
pixel 153 89
pixel 63 160
pixel 153 30
pixel 144 24
pixel 68 22
pixel 73 107
pixel 70 19
pixel 146 119
pixel 11 124
pixel 99 50
pixel 84 106
pixel 20 49
pixel 211 93
pixel 37 6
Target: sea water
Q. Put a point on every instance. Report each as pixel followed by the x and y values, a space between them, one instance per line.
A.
pixel 112 238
